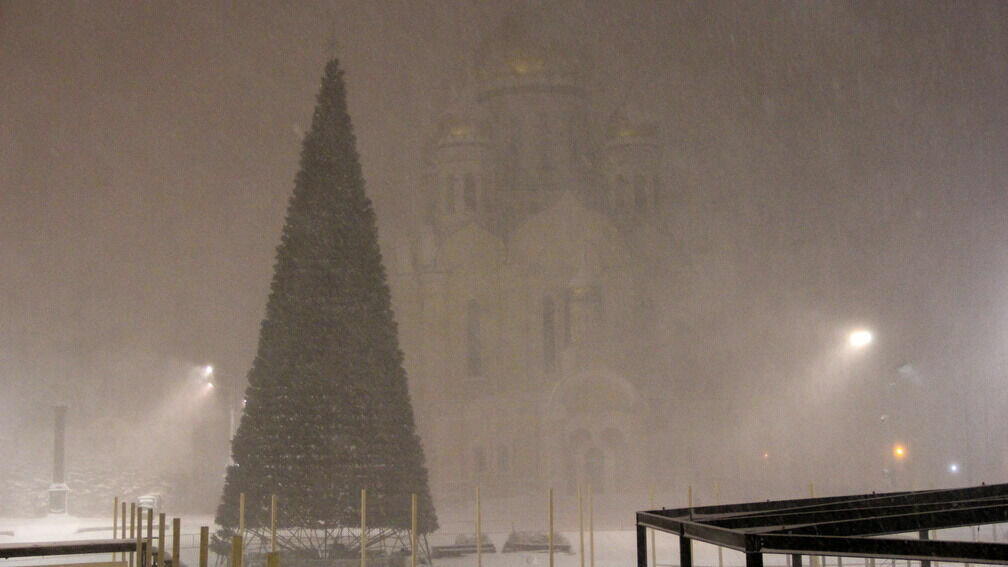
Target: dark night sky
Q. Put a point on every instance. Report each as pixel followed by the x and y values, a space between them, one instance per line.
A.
pixel 836 162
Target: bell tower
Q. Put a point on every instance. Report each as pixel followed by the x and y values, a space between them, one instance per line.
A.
pixel 462 176
pixel 632 186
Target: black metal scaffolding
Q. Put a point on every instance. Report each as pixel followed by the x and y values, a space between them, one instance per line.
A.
pixel 839 526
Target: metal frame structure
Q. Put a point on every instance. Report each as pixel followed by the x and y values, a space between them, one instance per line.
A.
pixel 839 526
pixel 49 548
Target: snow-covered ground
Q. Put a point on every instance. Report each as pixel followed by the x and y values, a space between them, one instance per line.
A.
pixel 613 548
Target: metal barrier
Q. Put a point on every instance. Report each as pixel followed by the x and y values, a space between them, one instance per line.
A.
pixel 85 547
pixel 839 526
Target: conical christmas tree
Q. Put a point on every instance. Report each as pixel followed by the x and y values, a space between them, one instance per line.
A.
pixel 327 409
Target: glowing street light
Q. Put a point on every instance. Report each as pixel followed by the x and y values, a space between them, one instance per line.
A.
pixel 860 338
pixel 207 373
pixel 899 451
pixel 953 468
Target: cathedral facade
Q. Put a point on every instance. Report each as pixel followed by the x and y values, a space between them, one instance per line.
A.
pixel 526 295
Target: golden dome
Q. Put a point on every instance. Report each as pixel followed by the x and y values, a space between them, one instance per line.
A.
pixel 626 124
pixel 462 121
pixel 524 50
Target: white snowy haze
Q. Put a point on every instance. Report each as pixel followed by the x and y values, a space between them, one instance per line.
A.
pixel 830 166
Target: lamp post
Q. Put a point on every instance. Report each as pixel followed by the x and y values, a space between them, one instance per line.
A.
pixel 59 492
pixel 230 397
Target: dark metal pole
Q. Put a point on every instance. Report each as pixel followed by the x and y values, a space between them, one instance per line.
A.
pixel 641 546
pixel 59 441
pixel 754 559
pixel 685 552
pixel 924 535
pixel 796 560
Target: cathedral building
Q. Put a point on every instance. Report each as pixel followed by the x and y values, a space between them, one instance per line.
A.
pixel 526 296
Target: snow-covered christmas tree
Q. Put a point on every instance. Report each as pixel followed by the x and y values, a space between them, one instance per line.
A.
pixel 327 409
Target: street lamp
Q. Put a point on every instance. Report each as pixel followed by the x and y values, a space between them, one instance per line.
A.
pixel 207 375
pixel 899 451
pixel 860 338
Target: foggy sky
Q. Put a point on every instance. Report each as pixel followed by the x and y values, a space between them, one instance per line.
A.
pixel 834 163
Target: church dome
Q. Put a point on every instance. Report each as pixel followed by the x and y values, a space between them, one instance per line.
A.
pixel 523 52
pixel 628 124
pixel 462 122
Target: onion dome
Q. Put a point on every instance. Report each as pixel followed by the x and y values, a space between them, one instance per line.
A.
pixel 522 52
pixel 628 125
pixel 462 122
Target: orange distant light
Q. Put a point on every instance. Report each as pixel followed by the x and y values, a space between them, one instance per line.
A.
pixel 899 451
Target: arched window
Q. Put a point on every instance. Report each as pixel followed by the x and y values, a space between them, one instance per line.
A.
pixel 479 459
pixel 549 333
pixel 640 194
pixel 469 192
pixel 503 460
pixel 511 163
pixel 474 361
pixel 566 318
pixel 450 195
pixel 545 147
pixel 594 469
pixel 618 191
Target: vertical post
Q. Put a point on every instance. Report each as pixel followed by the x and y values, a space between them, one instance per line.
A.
pixel 161 540
pixel 581 525
pixel 204 546
pixel 273 502
pixel 754 559
pixel 413 530
pixel 591 529
pixel 479 531
pixel 685 543
pixel 796 560
pixel 241 513
pixel 685 551
pixel 136 532
pixel 149 554
pixel 133 533
pixel 59 442
pixel 236 551
pixel 176 542
pixel 720 550
pixel 122 528
pixel 363 527
pixel 641 546
pixel 924 535
pixel 974 531
pixel 550 522
pixel 115 521
pixel 654 560
pixel 813 559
